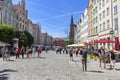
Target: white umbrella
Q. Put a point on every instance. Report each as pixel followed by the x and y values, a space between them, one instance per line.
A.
pixel 76 45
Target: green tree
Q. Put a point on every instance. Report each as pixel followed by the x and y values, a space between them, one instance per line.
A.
pixel 29 38
pixel 71 41
pixel 7 33
pixel 22 38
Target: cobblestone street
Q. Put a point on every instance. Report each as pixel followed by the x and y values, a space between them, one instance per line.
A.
pixel 52 66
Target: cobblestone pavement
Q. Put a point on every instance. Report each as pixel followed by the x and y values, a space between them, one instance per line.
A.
pixel 52 66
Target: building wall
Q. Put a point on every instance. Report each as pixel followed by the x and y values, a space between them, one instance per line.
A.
pixel 22 16
pixel 36 32
pixel 7 13
pixel 116 15
pixel 58 42
pixel 84 27
pixel 90 19
pixel 30 28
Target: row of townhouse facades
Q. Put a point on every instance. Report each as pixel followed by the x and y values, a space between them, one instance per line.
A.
pixel 16 15
pixel 46 39
pixel 103 22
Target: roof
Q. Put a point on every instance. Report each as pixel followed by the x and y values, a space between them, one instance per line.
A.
pixel 59 39
pixel 15 6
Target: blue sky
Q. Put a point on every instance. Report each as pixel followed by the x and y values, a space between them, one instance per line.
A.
pixel 54 15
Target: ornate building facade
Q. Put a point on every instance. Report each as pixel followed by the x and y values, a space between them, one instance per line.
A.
pixel 21 16
pixel 7 13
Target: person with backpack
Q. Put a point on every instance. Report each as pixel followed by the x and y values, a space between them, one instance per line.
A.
pixel 84 59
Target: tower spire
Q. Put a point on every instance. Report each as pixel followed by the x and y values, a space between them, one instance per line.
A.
pixel 72 19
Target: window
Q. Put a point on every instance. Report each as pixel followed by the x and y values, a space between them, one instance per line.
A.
pixel 115 9
pixel 103 1
pixel 107 1
pixel 100 16
pixel 100 5
pixel 104 26
pixel 96 9
pixel 96 19
pixel 116 23
pixel 108 24
pixel 108 11
pixel 103 14
pixel 96 29
pixel 101 27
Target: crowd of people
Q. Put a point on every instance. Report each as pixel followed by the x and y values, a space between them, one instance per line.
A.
pixel 104 55
pixel 29 51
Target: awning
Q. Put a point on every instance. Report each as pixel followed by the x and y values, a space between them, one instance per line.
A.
pixel 117 45
pixel 4 44
pixel 104 41
pixel 90 43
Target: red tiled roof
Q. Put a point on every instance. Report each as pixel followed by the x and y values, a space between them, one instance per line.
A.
pixel 15 6
pixel 58 38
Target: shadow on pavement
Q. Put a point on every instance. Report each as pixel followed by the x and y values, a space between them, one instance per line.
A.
pixel 117 69
pixel 2 77
pixel 95 71
pixel 11 60
pixel 7 70
pixel 42 57
pixel 76 61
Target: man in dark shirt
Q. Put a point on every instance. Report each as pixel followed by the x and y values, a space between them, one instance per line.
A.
pixel 84 59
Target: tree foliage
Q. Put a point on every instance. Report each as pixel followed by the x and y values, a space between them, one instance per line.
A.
pixel 6 33
pixel 29 38
pixel 71 41
pixel 25 38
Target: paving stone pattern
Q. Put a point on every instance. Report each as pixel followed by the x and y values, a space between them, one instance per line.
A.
pixel 52 66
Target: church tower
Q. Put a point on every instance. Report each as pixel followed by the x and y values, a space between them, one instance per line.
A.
pixel 72 27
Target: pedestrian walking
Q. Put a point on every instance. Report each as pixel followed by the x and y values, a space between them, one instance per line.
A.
pixel 66 50
pixel 39 51
pixel 84 59
pixel 34 51
pixel 71 54
pixel 46 49
pixel 102 56
pixel 3 50
pixel 112 59
pixel 29 52
pixel 22 51
pixel 8 53
pixel 17 52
